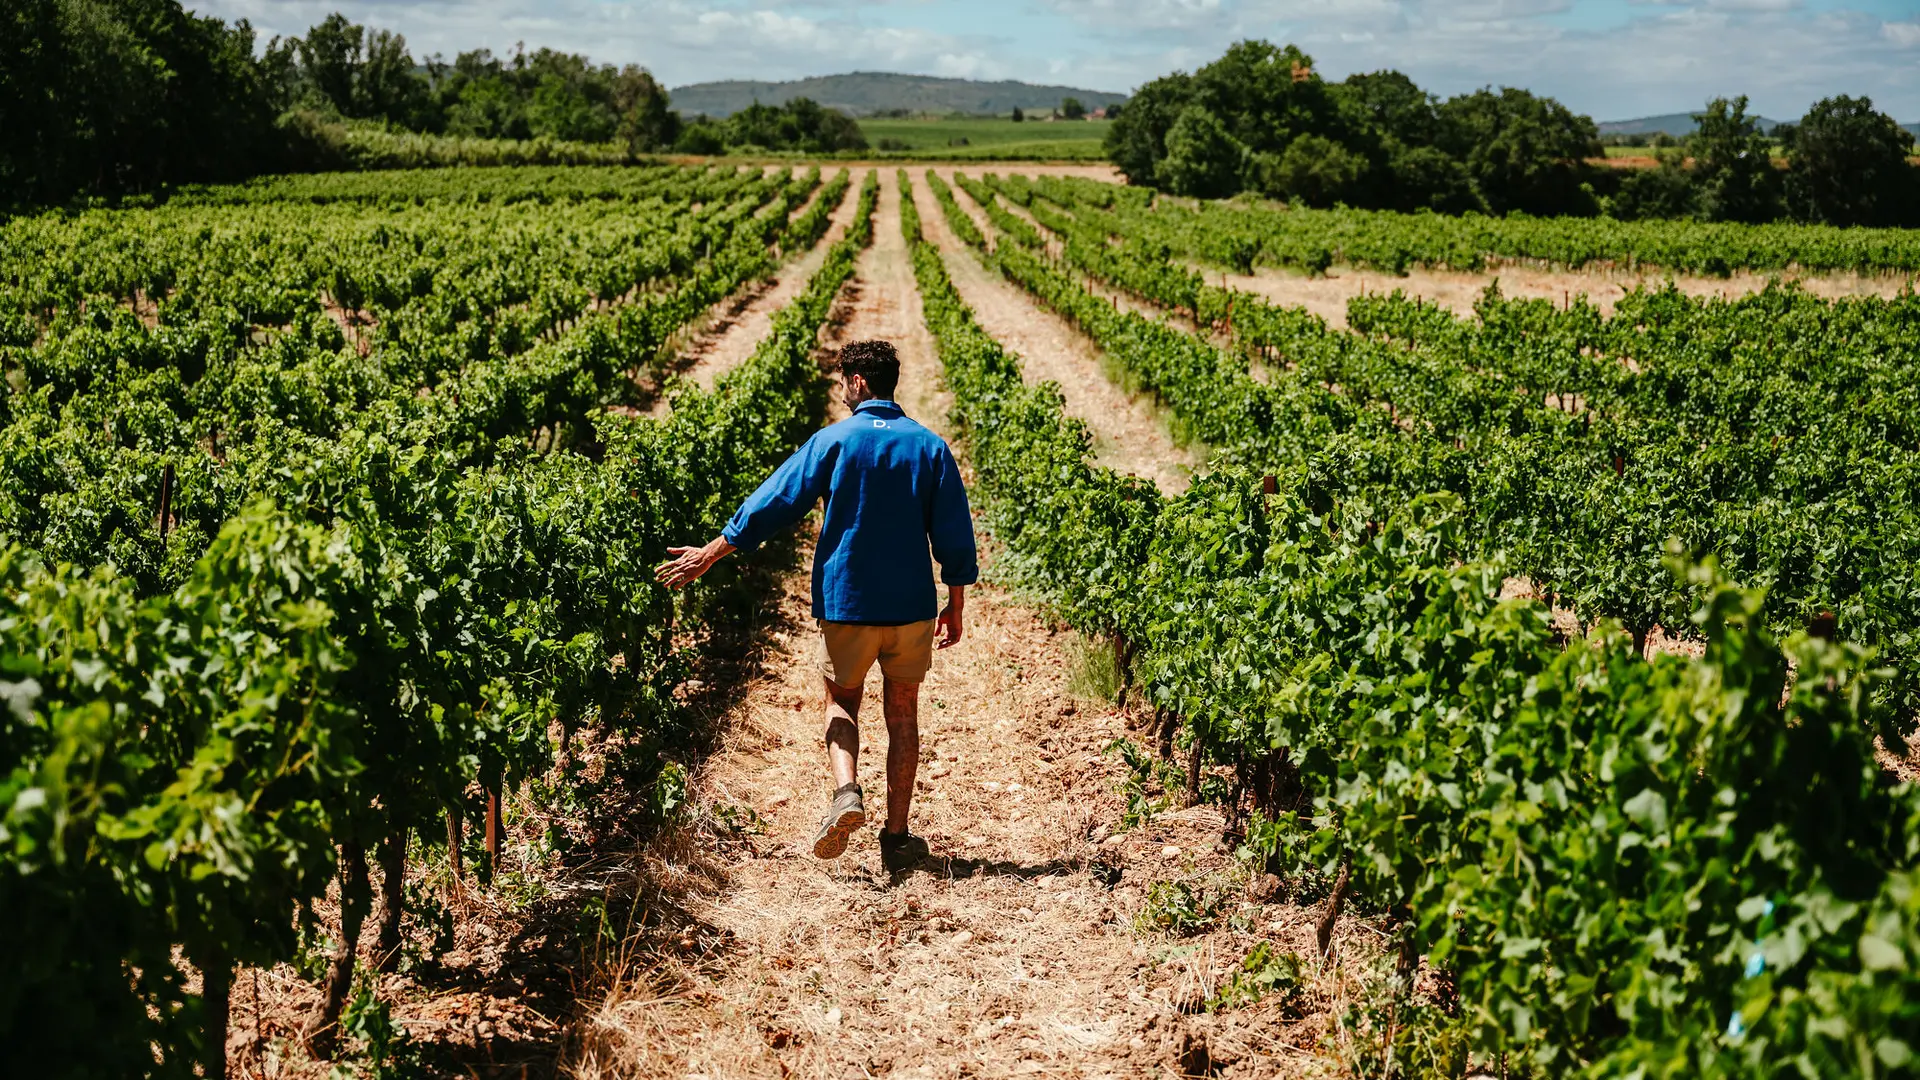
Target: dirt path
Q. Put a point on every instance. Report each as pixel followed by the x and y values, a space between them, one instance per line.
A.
pixel 734 330
pixel 1125 301
pixel 886 305
pixel 1327 296
pixel 1015 950
pixel 1129 431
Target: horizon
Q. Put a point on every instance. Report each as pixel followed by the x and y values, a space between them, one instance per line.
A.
pixel 1097 90
pixel 1608 59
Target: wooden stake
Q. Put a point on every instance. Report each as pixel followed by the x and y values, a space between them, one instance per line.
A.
pixel 493 831
pixel 166 500
pixel 454 860
pixel 1323 931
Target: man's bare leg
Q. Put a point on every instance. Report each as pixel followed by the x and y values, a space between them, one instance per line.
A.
pixel 901 703
pixel 847 812
pixel 843 733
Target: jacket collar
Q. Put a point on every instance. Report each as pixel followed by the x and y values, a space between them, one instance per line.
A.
pixel 881 405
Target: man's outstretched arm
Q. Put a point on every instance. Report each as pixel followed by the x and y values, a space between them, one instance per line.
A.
pixel 778 503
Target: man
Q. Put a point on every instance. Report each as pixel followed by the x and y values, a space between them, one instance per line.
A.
pixel 893 498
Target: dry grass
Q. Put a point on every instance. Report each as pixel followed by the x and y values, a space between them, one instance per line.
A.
pixel 1006 954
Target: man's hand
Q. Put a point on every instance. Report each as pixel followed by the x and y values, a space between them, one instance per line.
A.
pixel 948 628
pixel 688 563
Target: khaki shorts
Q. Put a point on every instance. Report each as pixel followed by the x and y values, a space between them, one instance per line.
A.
pixel 849 650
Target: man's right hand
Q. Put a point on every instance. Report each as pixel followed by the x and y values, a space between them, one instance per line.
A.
pixel 688 563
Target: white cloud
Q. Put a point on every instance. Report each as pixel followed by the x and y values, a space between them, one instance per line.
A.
pixel 1904 34
pixel 1752 5
pixel 682 41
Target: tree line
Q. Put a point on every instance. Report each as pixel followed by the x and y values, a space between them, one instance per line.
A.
pixel 108 97
pixel 1260 120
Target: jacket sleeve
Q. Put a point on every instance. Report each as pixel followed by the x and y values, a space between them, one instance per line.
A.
pixel 951 530
pixel 782 499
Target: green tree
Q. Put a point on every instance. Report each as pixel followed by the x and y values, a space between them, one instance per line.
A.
pixel 330 60
pixel 801 124
pixel 1393 123
pixel 1378 139
pixel 1202 159
pixel 1314 170
pixel 702 136
pixel 122 95
pixel 1268 95
pixel 562 109
pixel 1427 178
pixel 1522 151
pixel 386 85
pixel 646 124
pixel 1018 116
pixel 1072 108
pixel 1849 166
pixel 489 108
pixel 1392 105
pixel 1138 138
pixel 1732 165
pixel 1665 191
pixel 361 73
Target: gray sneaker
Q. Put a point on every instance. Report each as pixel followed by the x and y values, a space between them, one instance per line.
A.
pixel 845 815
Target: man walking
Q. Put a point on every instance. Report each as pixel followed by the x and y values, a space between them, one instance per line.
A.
pixel 894 504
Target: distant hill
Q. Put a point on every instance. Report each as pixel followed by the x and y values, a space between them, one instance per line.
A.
pixel 863 93
pixel 1672 124
pixel 1682 124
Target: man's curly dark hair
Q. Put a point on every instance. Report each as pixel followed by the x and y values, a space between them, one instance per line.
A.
pixel 874 361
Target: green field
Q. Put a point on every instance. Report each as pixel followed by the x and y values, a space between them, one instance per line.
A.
pixel 996 138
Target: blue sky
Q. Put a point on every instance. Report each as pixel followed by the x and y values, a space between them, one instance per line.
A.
pixel 1611 59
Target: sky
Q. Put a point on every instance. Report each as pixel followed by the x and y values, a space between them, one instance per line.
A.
pixel 1610 59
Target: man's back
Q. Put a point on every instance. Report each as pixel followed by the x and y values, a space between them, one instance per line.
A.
pixel 894 503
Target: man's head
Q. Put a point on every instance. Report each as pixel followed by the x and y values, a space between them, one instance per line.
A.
pixel 869 369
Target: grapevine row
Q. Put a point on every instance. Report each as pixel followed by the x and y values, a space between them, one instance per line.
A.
pixel 1580 444
pixel 1238 236
pixel 384 624
pixel 1672 867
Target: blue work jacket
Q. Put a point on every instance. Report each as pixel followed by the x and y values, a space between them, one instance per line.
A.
pixel 894 504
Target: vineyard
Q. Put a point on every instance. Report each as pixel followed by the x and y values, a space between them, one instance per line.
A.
pixel 1566 652
pixel 399 543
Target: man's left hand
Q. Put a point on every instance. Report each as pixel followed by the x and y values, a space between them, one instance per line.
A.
pixel 948 628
